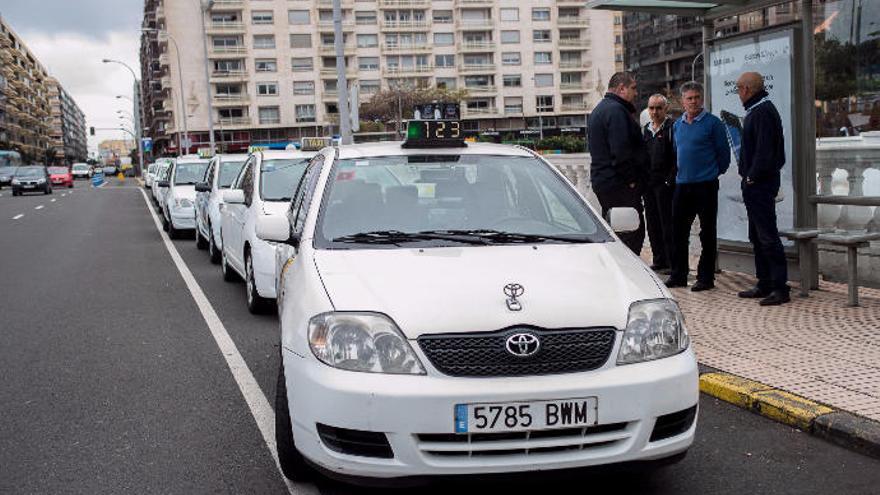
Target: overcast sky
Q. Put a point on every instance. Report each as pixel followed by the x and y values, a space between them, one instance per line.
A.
pixel 71 37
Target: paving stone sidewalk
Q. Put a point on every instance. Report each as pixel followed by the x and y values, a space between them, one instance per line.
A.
pixel 815 347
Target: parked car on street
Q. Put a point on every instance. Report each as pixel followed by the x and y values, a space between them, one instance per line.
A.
pixel 150 175
pixel 31 179
pixel 6 175
pixel 465 311
pixel 109 170
pixel 81 171
pixel 178 203
pixel 157 191
pixel 61 177
pixel 221 174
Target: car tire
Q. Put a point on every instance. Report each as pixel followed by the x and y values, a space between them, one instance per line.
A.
pixel 173 232
pixel 229 274
pixel 164 221
pixel 293 464
pixel 70 186
pixel 201 242
pixel 213 253
pixel 256 304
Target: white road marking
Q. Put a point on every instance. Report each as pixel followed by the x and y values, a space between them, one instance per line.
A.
pixel 63 195
pixel 38 207
pixel 54 200
pixel 16 217
pixel 253 395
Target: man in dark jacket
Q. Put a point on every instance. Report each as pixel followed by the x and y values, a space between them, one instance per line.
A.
pixel 661 182
pixel 619 157
pixel 762 156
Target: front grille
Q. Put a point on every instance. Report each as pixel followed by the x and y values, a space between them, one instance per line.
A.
pixel 485 354
pixel 527 443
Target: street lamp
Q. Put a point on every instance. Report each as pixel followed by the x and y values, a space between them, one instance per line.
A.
pixel 206 5
pixel 140 126
pixel 185 139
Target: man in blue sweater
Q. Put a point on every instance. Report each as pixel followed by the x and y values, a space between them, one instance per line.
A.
pixel 703 156
pixel 761 159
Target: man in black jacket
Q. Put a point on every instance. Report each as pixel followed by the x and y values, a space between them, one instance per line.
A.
pixel 761 159
pixel 619 157
pixel 661 182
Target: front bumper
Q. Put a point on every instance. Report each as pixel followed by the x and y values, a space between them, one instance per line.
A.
pixel 183 218
pixel 407 407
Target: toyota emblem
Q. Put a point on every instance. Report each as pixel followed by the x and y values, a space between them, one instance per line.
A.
pixel 513 291
pixel 523 344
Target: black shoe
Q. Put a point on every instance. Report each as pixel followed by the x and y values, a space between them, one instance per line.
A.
pixel 754 293
pixel 701 286
pixel 671 283
pixel 775 298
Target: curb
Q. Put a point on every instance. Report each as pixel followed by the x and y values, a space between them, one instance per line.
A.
pixel 837 426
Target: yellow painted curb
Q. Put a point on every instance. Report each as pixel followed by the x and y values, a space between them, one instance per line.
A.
pixel 767 401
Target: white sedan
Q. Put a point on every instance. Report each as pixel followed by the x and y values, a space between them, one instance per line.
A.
pixel 178 203
pixel 221 174
pixel 462 310
pixel 156 190
pixel 264 187
pixel 81 171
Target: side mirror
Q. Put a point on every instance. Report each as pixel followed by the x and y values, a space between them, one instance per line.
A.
pixel 203 187
pixel 233 196
pixel 623 220
pixel 275 228
pixel 164 183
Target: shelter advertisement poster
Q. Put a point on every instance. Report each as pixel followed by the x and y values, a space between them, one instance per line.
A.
pixel 771 55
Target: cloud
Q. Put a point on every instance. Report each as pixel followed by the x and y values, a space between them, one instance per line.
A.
pixel 89 18
pixel 75 60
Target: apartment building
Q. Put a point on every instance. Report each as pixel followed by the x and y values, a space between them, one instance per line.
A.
pixel 68 131
pixel 24 98
pixel 529 67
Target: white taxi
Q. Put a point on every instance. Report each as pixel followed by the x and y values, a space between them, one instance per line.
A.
pixel 156 191
pixel 178 202
pixel 452 309
pixel 220 175
pixel 264 187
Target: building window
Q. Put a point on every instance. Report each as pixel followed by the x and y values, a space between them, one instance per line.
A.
pixel 510 14
pixel 512 80
pixel 269 115
pixel 262 17
pixel 303 87
pixel 227 66
pixel 367 40
pixel 298 17
pixel 540 14
pixel 544 103
pixel 509 37
pixel 301 64
pixel 225 41
pixel 305 113
pixel 513 104
pixel 541 36
pixel 369 86
pixel 543 58
pixel 511 58
pixel 444 60
pixel 264 41
pixel 231 113
pixel 543 80
pixel 444 39
pixel 442 16
pixel 365 17
pixel 368 63
pixel 267 89
pixel 300 40
pixel 266 65
pixel 446 82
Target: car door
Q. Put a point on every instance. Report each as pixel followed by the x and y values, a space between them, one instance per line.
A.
pixel 202 198
pixel 233 219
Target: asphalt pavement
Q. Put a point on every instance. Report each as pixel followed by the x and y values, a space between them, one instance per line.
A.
pixel 112 381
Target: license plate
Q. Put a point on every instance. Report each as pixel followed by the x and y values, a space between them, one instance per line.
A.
pixel 522 416
pixel 28 186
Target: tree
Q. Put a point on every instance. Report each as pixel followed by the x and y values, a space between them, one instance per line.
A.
pixel 396 104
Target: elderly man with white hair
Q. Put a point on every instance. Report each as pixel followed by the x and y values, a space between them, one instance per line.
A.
pixel 660 187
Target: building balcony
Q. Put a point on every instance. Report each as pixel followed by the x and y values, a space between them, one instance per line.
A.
pixel 577 65
pixel 477 46
pixel 166 82
pixel 395 4
pixel 574 107
pixel 574 43
pixel 231 100
pixel 406 48
pixel 471 68
pixel 6 56
pixel 479 112
pixel 164 60
pixel 475 24
pixel 575 87
pixel 329 3
pixel 325 26
pixel 411 70
pixel 234 121
pixel 474 3
pixel 229 75
pixel 348 49
pixel 160 12
pixel 405 25
pixel 226 28
pixel 572 21
pixel 350 72
pixel 487 89
pixel 228 50
pixel 227 4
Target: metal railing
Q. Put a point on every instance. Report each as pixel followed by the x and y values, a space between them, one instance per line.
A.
pixel 234 121
pixel 477 68
pixel 476 46
pixel 410 25
pixel 570 20
pixel 416 69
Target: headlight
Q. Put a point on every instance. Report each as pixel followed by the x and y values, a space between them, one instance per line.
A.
pixel 654 330
pixel 367 342
pixel 40 181
pixel 16 181
pixel 183 203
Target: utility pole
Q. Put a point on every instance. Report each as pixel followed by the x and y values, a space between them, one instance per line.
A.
pixel 204 9
pixel 341 76
pixel 185 138
pixel 140 95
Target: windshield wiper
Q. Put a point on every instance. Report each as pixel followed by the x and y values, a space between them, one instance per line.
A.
pixel 397 237
pixel 501 237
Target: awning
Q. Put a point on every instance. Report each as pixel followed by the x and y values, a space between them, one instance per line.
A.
pixel 709 10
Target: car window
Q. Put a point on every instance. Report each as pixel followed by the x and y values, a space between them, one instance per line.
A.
pixel 57 170
pixel 190 173
pixel 278 178
pixel 26 172
pixel 419 193
pixel 228 172
pixel 305 191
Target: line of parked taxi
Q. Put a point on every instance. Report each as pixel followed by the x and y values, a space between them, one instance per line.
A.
pixel 446 308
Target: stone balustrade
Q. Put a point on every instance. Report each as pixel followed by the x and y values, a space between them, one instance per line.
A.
pixel 849 166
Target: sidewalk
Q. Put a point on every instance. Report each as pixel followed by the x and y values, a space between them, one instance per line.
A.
pixel 815 348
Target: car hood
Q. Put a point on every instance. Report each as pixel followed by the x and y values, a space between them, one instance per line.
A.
pixel 59 176
pixel 453 290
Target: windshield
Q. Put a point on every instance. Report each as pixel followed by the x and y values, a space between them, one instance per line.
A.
pixel 278 178
pixel 27 172
pixel 57 170
pixel 228 172
pixel 6 170
pixel 472 199
pixel 190 173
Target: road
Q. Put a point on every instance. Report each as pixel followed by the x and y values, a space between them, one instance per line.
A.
pixel 113 382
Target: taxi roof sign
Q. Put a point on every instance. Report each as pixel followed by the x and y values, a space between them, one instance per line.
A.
pixel 435 125
pixel 314 143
